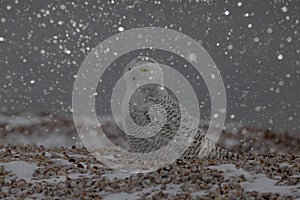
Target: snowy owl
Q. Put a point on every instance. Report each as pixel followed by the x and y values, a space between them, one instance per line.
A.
pixel 150 128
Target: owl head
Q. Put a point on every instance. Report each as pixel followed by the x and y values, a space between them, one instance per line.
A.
pixel 141 70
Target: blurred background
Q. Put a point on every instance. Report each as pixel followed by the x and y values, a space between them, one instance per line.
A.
pixel 255 44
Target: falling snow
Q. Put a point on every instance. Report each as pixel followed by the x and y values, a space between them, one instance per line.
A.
pixel 121 29
pixel 255 46
pixel 284 9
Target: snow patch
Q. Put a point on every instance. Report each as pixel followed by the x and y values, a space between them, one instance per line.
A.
pixel 255 182
pixel 21 169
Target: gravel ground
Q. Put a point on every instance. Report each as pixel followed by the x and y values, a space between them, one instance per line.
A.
pixel 54 173
pixel 36 165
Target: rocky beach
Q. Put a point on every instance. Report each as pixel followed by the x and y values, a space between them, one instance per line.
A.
pixel 41 157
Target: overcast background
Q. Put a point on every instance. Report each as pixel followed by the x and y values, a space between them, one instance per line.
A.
pixel 254 43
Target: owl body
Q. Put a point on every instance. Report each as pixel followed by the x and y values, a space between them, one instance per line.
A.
pixel 141 117
pixel 156 119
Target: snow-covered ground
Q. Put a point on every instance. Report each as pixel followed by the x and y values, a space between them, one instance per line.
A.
pixel 62 168
pixel 53 131
pixel 257 182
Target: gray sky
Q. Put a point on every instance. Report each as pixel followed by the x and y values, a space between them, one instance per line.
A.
pixel 255 44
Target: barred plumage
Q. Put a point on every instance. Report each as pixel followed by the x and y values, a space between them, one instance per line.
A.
pixel 154 113
pixel 140 117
